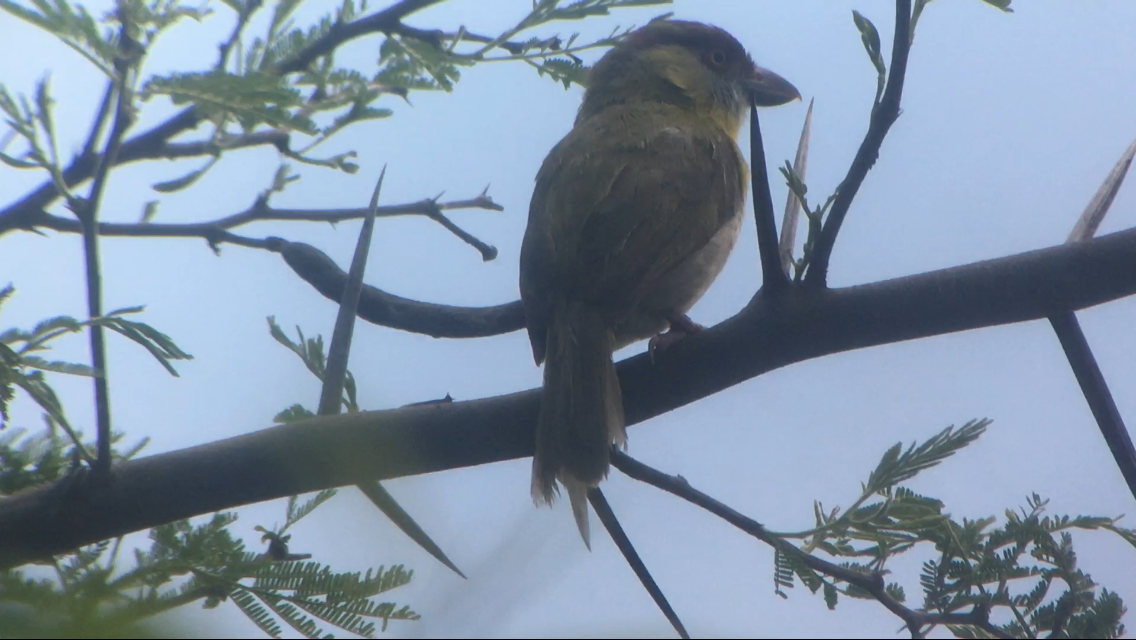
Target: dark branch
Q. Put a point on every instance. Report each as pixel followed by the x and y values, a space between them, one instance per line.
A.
pixel 100 120
pixel 30 212
pixel 247 9
pixel 611 523
pixel 384 21
pixel 773 280
pixel 215 230
pixel 884 115
pixel 377 445
pixel 379 307
pixel 488 252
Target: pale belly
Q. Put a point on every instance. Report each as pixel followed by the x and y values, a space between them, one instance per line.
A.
pixel 681 288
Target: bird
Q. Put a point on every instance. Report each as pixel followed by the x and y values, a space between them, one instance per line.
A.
pixel 633 215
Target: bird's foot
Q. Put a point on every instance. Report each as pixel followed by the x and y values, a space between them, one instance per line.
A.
pixel 681 326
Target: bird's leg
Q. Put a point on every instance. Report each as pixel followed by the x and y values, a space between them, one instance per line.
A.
pixel 681 326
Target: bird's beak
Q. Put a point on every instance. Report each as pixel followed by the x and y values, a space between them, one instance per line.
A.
pixel 767 89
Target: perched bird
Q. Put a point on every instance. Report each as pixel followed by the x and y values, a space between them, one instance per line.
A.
pixel 633 216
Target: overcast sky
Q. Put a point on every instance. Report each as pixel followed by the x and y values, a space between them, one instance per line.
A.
pixel 1010 123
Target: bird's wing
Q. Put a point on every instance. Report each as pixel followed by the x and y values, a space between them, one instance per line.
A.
pixel 618 203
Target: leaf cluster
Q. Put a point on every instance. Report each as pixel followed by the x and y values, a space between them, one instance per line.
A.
pixel 1008 571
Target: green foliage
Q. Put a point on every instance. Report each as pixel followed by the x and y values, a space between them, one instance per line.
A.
pixel 21 369
pixel 813 217
pixel 917 11
pixel 74 26
pixel 1010 568
pixel 252 99
pixel 311 352
pixel 188 563
pixel 871 39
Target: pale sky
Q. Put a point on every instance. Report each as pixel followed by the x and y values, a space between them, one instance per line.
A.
pixel 1010 123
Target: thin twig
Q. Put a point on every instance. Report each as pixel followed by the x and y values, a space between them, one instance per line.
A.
pixel 773 280
pixel 88 212
pixel 488 252
pixel 623 543
pixel 100 120
pixel 247 9
pixel 258 212
pixel 884 114
pixel 872 583
pixel 382 22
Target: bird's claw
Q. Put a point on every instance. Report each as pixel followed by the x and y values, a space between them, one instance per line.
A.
pixel 681 326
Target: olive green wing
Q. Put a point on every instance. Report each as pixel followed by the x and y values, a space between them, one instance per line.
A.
pixel 619 203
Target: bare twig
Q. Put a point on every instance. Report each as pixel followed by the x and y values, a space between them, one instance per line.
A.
pixel 773 279
pixel 88 212
pixel 871 583
pixel 793 205
pixel 1076 345
pixel 213 230
pixel 247 9
pixel 884 114
pixel 384 21
pixel 488 252
pixel 611 523
pixel 89 148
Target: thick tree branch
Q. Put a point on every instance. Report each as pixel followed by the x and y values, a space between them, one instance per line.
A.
pixel 376 445
pixel 884 115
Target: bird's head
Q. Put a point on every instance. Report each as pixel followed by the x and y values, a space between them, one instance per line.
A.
pixel 691 65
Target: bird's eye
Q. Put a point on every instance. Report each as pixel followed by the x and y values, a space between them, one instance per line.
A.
pixel 718 58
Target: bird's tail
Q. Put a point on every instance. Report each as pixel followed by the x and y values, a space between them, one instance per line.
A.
pixel 581 409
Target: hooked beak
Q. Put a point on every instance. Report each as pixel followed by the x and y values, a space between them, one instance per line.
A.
pixel 767 89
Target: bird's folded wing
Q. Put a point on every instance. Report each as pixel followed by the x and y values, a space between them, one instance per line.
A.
pixel 619 204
